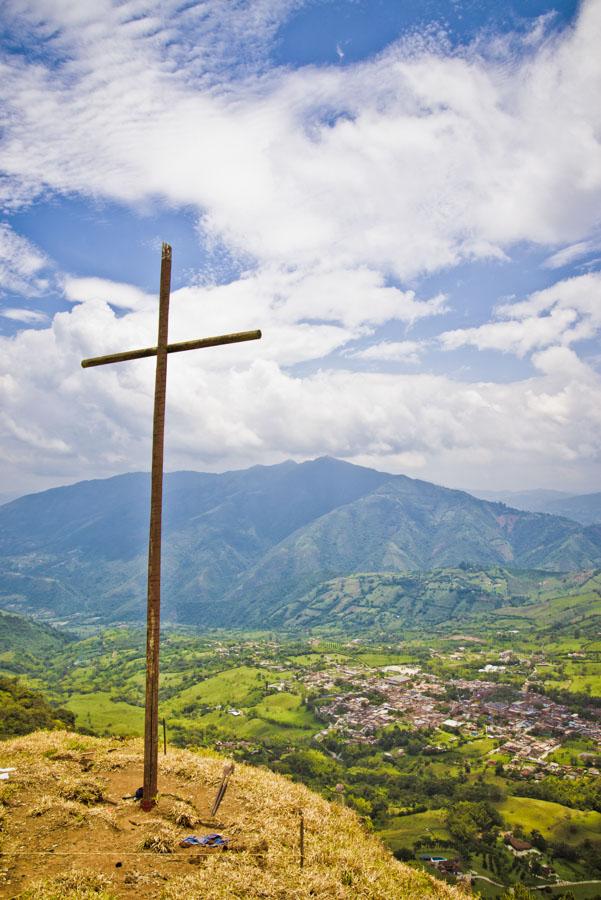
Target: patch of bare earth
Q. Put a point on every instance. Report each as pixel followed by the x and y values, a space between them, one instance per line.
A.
pixel 67 832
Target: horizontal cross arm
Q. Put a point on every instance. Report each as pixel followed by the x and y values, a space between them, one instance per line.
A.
pixel 235 338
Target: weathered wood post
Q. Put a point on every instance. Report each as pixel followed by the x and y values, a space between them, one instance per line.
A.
pixel 153 621
pixel 302 837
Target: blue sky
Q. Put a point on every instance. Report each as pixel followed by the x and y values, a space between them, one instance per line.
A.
pixel 403 195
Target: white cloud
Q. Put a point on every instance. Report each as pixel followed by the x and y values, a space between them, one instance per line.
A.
pixel 238 405
pixel 122 296
pixel 391 351
pixel 207 38
pixel 406 163
pixel 569 254
pixel 21 264
pixel 567 312
pixel 28 316
pixel 334 184
pixel 304 315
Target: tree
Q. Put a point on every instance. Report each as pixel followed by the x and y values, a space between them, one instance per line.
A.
pixel 538 840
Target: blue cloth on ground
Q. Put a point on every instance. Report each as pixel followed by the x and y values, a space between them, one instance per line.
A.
pixel 209 840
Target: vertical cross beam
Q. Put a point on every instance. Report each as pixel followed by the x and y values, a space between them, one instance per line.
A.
pixel 153 621
pixel 151 722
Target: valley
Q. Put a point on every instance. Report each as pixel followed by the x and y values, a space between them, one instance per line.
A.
pixel 453 745
pixel 427 659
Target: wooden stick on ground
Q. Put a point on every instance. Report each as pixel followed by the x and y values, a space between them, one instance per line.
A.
pixel 227 772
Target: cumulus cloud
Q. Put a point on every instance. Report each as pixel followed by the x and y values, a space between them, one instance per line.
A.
pixel 304 316
pixel 567 312
pixel 406 163
pixel 122 296
pixel 252 408
pixel 335 188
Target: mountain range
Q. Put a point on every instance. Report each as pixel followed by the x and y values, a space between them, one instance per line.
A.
pixel 583 508
pixel 239 545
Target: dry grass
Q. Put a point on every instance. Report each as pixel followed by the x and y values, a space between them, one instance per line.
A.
pixel 159 837
pixel 83 790
pixel 138 854
pixel 182 814
pixel 69 812
pixel 76 885
pixel 60 809
pixel 103 817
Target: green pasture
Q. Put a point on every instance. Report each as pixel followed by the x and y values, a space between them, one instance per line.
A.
pixel 573 748
pixel 310 659
pixel 167 679
pixel 578 682
pixel 286 709
pixel 234 687
pixel 552 819
pixel 98 711
pixel 261 729
pixel 305 659
pixel 588 891
pixel 403 831
pixel 248 726
pixel 488 891
pixel 477 748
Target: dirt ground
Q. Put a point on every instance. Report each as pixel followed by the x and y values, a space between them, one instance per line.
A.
pixel 67 831
pixel 106 835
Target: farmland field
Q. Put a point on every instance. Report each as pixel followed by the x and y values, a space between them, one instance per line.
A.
pixel 402 831
pixel 99 713
pixel 552 819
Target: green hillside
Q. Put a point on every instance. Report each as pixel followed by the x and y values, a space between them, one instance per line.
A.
pixel 238 546
pixel 23 639
pixel 570 600
pixel 553 820
pixel 23 710
pixel 404 526
pixel 393 601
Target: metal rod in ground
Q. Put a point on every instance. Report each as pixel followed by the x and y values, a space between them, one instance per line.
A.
pixel 302 838
pixel 227 771
pixel 164 737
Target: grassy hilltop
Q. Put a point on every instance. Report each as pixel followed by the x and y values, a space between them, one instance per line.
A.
pixel 64 828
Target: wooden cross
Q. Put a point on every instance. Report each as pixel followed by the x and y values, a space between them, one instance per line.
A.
pixel 151 722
